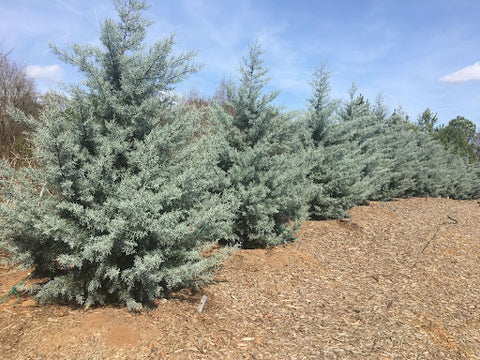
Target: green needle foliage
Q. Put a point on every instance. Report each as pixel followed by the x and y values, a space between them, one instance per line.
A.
pixel 459 137
pixel 266 167
pixel 125 200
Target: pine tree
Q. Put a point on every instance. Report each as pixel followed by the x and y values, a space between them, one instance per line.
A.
pixel 265 166
pixel 427 121
pixel 126 195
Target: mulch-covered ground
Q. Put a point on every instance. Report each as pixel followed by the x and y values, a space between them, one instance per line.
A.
pixel 401 280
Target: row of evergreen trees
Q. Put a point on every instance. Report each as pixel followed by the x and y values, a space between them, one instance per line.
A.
pixel 377 157
pixel 132 193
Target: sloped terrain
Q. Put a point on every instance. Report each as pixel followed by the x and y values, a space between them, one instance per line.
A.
pixel 400 280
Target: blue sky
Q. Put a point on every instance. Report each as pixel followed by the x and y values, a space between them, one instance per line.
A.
pixel 418 54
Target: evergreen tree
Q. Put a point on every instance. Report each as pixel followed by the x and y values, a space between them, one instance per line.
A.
pixel 265 165
pixel 365 155
pixel 326 165
pixel 427 120
pixel 422 167
pixel 349 164
pixel 459 137
pixel 380 110
pixel 125 198
pixel 321 107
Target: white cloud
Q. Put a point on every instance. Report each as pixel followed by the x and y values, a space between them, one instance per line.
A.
pixel 468 73
pixel 51 73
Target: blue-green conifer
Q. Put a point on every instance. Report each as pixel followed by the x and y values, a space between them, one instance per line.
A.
pixel 266 167
pixel 124 199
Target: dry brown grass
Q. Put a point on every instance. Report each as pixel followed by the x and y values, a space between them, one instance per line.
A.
pixel 400 281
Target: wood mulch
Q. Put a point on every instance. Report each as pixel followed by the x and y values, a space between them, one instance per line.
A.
pixel 400 280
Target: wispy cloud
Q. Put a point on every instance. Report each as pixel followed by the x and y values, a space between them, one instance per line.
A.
pixel 51 73
pixel 468 73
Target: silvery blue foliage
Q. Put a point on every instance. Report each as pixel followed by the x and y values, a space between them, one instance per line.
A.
pixel 347 164
pixel 360 154
pixel 422 167
pixel 266 167
pixel 125 197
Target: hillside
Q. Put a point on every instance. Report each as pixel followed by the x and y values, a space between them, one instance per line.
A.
pixel 400 280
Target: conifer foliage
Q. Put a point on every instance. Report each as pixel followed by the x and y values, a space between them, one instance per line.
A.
pixel 346 164
pixel 131 191
pixel 360 154
pixel 265 167
pixel 124 201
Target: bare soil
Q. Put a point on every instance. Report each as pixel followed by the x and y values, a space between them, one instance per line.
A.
pixel 401 280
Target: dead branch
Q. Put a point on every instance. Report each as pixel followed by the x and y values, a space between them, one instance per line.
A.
pixel 455 221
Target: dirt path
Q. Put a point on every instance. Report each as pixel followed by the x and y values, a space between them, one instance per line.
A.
pixel 400 281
